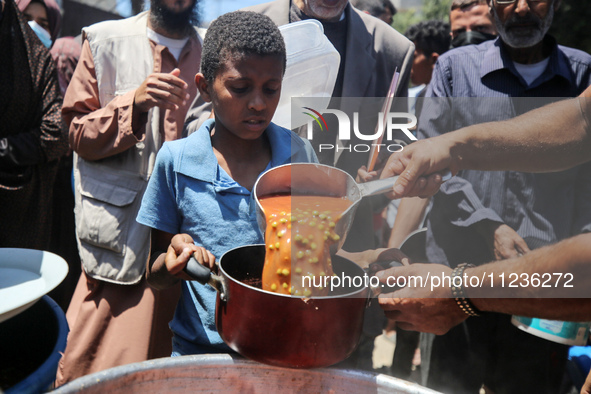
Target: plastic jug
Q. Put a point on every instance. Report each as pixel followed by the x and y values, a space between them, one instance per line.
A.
pixel 312 68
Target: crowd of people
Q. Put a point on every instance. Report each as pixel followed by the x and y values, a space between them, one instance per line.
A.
pixel 127 169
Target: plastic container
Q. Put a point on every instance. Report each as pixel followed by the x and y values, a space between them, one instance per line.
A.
pixel 312 68
pixel 30 348
pixel 567 333
pixel 228 374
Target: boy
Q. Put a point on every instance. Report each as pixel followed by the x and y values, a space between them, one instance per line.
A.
pixel 201 186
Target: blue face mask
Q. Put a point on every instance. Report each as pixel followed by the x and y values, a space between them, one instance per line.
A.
pixel 41 33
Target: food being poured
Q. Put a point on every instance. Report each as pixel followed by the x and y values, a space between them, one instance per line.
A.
pixel 300 230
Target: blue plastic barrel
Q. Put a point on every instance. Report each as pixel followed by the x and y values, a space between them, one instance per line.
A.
pixel 31 346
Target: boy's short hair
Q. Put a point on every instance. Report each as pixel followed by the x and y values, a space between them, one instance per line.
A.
pixel 430 36
pixel 240 33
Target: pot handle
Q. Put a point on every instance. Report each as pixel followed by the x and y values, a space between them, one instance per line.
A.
pixel 203 275
pixel 377 187
pixel 383 185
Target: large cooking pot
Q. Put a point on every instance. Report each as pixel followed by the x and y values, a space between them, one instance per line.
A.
pixel 221 373
pixel 279 329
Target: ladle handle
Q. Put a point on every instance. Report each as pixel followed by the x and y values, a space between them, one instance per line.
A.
pixel 377 187
pixel 384 185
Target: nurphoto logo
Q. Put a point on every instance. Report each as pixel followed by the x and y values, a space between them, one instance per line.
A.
pixel 386 125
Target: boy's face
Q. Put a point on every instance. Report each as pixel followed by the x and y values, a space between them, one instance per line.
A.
pixel 244 94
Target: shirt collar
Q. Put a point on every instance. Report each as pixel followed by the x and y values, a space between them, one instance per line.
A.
pixel 282 143
pixel 496 58
pixel 198 160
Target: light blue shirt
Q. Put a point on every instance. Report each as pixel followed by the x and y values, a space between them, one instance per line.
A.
pixel 189 192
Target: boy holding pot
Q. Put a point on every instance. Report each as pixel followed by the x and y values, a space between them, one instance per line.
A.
pixel 198 200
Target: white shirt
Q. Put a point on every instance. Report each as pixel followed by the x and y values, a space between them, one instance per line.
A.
pixel 530 72
pixel 174 46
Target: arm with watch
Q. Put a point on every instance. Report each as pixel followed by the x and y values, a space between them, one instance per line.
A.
pixel 551 283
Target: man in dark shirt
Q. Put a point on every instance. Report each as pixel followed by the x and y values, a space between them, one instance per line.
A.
pixel 480 216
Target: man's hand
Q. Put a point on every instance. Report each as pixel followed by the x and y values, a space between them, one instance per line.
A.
pixel 180 251
pixel 503 241
pixel 427 306
pixel 419 165
pixel 162 90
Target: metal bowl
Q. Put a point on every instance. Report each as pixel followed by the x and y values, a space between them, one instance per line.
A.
pixel 229 374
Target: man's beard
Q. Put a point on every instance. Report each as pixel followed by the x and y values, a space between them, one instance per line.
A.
pixel 524 39
pixel 171 21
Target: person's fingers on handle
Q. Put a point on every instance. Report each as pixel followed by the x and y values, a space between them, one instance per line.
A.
pixel 183 260
pixel 406 182
pixel 208 258
pixel 181 241
pixel 395 165
pixel 212 259
pixel 176 262
pixel 201 256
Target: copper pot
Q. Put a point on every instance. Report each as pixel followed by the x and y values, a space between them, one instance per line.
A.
pixel 283 330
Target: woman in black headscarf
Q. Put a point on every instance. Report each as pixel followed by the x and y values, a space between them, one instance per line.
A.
pixel 32 138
